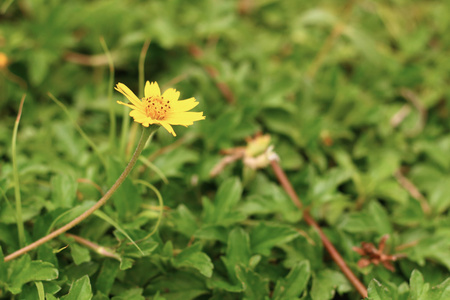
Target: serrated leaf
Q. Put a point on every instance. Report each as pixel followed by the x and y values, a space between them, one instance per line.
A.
pixel 192 257
pixel 255 287
pixel 439 292
pixel 358 222
pixel 126 263
pixel 80 290
pixel 326 282
pixel 295 282
pixel 238 252
pixel 265 236
pixel 25 270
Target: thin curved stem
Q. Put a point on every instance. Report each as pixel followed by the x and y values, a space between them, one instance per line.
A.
pixel 285 183
pixel 161 207
pixel 146 133
pixel 19 220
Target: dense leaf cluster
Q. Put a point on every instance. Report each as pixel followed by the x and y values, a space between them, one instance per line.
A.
pixel 353 93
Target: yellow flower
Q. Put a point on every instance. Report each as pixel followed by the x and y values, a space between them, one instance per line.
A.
pixel 164 110
pixel 3 60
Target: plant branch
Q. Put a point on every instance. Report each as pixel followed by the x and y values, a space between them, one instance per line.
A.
pixel 97 248
pixel 19 219
pixel 146 133
pixel 285 183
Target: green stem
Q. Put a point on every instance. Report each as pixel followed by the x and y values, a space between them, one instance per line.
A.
pixel 146 133
pixel 141 67
pixel 112 115
pixel 161 207
pixel 19 220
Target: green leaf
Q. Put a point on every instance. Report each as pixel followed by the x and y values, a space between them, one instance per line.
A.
pixel 70 214
pixel 171 163
pixel 255 287
pixel 265 236
pixel 212 232
pixel 227 197
pixel 79 254
pixel 106 218
pixel 40 289
pixel 439 196
pixel 416 283
pixel 132 293
pixel 107 275
pixel 50 297
pixel 294 283
pixel 178 285
pixel 439 292
pixel 238 252
pixel 64 190
pixel 376 291
pixel 80 290
pixel 46 253
pixel 126 263
pixel 433 247
pixel 185 221
pixel 192 257
pixel 379 218
pixel 358 222
pixel 326 282
pixel 3 269
pixel 39 63
pixel 24 270
pixel 126 198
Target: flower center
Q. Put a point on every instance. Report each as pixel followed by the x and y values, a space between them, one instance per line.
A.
pixel 156 107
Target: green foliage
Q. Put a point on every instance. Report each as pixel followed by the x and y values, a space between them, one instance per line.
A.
pixel 353 93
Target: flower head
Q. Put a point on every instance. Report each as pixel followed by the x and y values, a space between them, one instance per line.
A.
pixel 165 110
pixel 3 60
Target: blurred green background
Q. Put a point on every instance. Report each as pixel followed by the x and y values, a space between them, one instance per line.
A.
pixel 353 93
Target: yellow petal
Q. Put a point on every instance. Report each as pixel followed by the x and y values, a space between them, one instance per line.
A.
pixel 141 117
pixel 168 128
pixel 152 90
pixel 184 118
pixel 137 114
pixel 126 104
pixel 129 94
pixel 171 95
pixel 184 105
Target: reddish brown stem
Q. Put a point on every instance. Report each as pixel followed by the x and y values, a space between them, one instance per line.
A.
pixel 285 183
pixel 97 248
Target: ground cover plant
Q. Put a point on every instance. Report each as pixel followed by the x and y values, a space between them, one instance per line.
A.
pixel 312 160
